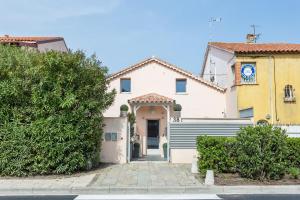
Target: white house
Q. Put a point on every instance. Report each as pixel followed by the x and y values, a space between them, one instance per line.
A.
pixel 150 89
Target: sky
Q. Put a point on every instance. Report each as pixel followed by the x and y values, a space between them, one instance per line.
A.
pixel 124 32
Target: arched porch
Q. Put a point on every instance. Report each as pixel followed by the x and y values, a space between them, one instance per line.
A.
pixel 152 112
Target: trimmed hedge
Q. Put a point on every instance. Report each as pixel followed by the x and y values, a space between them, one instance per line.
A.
pixel 217 153
pixel 51 111
pixel 260 152
pixel 293 157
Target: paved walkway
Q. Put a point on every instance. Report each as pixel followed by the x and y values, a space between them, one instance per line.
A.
pixel 146 174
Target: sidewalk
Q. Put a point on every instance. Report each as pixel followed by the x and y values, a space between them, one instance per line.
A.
pixel 142 178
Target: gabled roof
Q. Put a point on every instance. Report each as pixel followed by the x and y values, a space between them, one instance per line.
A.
pixel 167 65
pixel 257 47
pixel 151 98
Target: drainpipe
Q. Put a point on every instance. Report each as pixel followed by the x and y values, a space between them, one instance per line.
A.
pixel 275 89
pixel 270 89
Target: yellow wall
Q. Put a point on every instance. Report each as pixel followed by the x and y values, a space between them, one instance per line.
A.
pixel 261 96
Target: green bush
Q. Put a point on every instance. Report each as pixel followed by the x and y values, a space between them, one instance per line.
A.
pixel 177 107
pixel 51 111
pixel 261 152
pixel 293 155
pixel 294 172
pixel 124 107
pixel 217 153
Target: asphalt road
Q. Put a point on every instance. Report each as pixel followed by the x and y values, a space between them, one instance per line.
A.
pixel 225 197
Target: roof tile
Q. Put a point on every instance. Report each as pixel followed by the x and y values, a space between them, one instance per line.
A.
pixel 151 98
pixel 258 48
pixel 8 39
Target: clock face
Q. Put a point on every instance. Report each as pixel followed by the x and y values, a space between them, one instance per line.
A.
pixel 248 70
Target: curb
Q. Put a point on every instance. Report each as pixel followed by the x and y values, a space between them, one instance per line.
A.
pixel 245 189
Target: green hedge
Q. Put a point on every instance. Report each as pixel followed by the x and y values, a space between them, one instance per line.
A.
pixel 293 157
pixel 51 111
pixel 260 152
pixel 216 153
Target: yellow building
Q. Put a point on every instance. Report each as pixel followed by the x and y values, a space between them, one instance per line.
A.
pixel 261 80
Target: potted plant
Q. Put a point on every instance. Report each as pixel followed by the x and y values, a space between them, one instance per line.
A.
pixel 124 110
pixel 177 112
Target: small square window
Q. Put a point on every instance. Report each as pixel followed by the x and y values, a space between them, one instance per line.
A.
pixel 114 136
pixel 111 136
pixel 125 85
pixel 248 73
pixel 107 136
pixel 180 85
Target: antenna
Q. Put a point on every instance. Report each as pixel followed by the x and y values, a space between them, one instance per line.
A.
pixel 211 21
pixel 255 36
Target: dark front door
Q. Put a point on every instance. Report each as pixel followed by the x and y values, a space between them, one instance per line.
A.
pixel 153 134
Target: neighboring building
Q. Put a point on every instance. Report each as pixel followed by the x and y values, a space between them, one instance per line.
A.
pixel 150 89
pixel 261 80
pixel 42 44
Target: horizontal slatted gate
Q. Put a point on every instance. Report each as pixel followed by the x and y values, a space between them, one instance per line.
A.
pixel 183 134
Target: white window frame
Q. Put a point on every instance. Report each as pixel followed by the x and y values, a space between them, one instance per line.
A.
pixel 121 85
pixel 181 79
pixel 289 94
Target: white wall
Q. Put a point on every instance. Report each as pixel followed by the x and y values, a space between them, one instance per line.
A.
pixel 216 63
pixel 219 62
pixel 200 100
pixel 56 46
pixel 292 130
pixel 114 151
pixel 183 155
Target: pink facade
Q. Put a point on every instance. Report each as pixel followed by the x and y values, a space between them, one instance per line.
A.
pixel 200 99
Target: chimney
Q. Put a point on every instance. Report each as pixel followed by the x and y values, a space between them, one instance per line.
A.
pixel 251 38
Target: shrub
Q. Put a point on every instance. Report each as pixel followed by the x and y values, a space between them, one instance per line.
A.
pixel 165 145
pixel 293 155
pixel 294 172
pixel 132 120
pixel 177 107
pixel 51 111
pixel 261 152
pixel 124 107
pixel 217 153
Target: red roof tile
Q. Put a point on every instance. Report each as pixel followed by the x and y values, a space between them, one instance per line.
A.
pixel 257 48
pixel 35 39
pixel 151 98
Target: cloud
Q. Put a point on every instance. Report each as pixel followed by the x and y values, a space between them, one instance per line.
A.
pixel 51 10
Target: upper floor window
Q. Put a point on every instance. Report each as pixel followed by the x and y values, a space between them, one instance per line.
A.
pixel 289 93
pixel 125 85
pixel 180 85
pixel 248 73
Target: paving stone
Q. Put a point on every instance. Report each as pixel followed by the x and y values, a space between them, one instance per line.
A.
pixel 146 175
